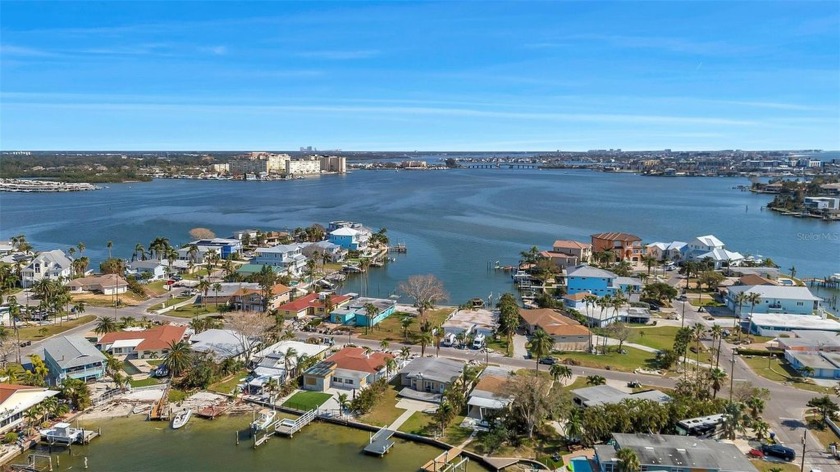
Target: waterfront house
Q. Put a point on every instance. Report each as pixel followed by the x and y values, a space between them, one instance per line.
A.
pixel 334 252
pixel 286 258
pixel 252 298
pixel 711 248
pixel 147 270
pixel 488 396
pixel 108 284
pixel 354 312
pixel 825 365
pixel 226 248
pixel 150 343
pixel 810 341
pixel 16 400
pixel 753 279
pixel 349 368
pixel 673 251
pixel 560 259
pixel 822 203
pixel 577 249
pixel 47 265
pixel 774 324
pixel 771 273
pixel 472 322
pixel 72 357
pixel 604 394
pixel 279 362
pixel 222 344
pixel 313 304
pixel 425 378
pixel 568 334
pixel 584 278
pixel 349 238
pixel 671 453
pixel 624 246
pixel 788 299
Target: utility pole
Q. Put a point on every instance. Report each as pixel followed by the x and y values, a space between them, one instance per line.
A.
pixel 802 463
pixel 732 375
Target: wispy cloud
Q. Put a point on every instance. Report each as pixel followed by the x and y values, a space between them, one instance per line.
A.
pixel 339 55
pixel 670 44
pixel 214 50
pixel 23 51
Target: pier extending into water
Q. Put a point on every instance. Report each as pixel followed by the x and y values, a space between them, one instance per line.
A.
pixel 290 427
pixel 380 443
pixel 447 461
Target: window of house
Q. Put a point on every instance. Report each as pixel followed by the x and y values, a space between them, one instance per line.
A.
pixel 800 303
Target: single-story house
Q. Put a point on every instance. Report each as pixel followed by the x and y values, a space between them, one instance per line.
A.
pixel 772 324
pixel 810 341
pixel 488 394
pixel 72 357
pixel 349 368
pixel 222 344
pixel 425 378
pixel 355 311
pixel 150 343
pixel 16 400
pixel 313 304
pixel 671 453
pixel 568 334
pixel 605 394
pixel 826 365
pixel 107 284
pixel 272 362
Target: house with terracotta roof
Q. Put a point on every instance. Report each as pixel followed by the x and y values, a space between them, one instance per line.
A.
pixel 568 334
pixel 488 394
pixel 145 344
pixel 560 259
pixel 313 304
pixel 624 246
pixel 107 284
pixel 582 251
pixel 16 400
pixel 349 368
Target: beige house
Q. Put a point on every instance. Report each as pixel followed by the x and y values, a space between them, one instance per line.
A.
pixel 108 284
pixel 568 334
pixel 582 251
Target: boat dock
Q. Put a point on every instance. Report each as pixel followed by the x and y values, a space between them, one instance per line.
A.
pixel 290 427
pixel 447 461
pixel 212 411
pixel 380 443
pixel 399 248
pixel 159 412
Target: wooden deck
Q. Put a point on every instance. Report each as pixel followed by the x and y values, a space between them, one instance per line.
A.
pixel 441 462
pixel 380 443
pixel 288 428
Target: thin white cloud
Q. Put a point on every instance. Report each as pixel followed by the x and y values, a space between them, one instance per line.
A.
pixel 23 51
pixel 339 55
pixel 215 50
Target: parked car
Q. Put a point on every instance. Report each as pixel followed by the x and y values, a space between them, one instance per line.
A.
pixel 777 450
pixel 25 343
pixel 634 384
pixel 548 360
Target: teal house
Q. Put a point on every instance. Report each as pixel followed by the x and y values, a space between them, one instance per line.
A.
pixel 356 313
pixel 73 357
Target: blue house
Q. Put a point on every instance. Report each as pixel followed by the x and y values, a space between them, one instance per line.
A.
pixel 826 365
pixel 599 282
pixel 73 357
pixel 773 299
pixel 355 312
pixel 225 247
pixel 349 238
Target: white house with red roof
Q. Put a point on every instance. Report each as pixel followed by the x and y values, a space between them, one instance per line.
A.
pixel 349 368
pixel 146 344
pixel 15 400
pixel 313 304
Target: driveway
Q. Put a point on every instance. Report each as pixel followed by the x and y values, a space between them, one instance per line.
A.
pixel 519 349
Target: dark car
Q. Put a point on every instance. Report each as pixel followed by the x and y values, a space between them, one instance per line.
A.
pixel 634 384
pixel 548 360
pixel 777 450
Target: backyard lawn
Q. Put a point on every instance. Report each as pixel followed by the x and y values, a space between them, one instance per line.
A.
pixel 306 401
pixel 634 359
pixel 391 329
pixel 227 385
pixel 144 382
pixel 658 338
pixel 30 333
pixel 385 411
pixel 417 423
pixel 778 370
pixel 191 311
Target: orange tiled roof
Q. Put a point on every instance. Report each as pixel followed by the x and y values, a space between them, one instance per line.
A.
pixel 311 300
pixel 354 358
pixel 553 322
pixel 569 244
pixel 617 237
pixel 159 337
pixel 7 390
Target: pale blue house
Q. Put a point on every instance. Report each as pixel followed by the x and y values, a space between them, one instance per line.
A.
pixel 826 365
pixel 774 299
pixel 599 282
pixel 356 314
pixel 282 258
pixel 349 238
pixel 73 357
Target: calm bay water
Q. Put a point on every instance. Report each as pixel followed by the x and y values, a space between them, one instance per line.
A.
pixel 455 223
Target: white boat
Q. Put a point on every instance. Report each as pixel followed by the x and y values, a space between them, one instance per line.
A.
pixel 264 418
pixel 62 433
pixel 181 418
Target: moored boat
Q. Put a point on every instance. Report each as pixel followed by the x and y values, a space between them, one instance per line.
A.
pixel 181 418
pixel 264 419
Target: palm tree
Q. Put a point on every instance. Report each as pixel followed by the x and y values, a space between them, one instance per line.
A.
pixel 217 287
pixel 79 308
pixel 384 344
pixel 628 460
pixel 760 428
pixel 405 322
pixel 390 365
pixel 424 339
pixel 649 261
pixel 755 404
pixel 343 402
pixel 110 244
pixel 105 325
pixel 595 380
pixel 574 425
pixel 806 371
pixel 697 334
pixel 204 287
pixel 541 345
pixel 370 313
pixel 438 335
pixel 559 371
pixel 717 335
pixel 716 376
pixel 405 352
pixel 178 358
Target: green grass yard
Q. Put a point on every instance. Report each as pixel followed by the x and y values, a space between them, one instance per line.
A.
pixel 226 385
pixel 656 338
pixel 306 401
pixel 385 411
pixel 391 329
pixel 629 362
pixel 31 333
pixel 191 311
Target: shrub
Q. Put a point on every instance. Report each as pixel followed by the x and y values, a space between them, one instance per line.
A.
pixel 10 437
pixel 758 352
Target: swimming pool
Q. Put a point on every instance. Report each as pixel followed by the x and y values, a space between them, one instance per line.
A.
pixel 580 464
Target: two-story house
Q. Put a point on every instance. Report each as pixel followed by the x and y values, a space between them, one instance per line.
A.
pixel 349 238
pixel 577 249
pixel 47 265
pixel 313 304
pixel 145 344
pixel 624 246
pixel 794 300
pixel 16 400
pixel 674 251
pixel 72 357
pixel 225 247
pixel 711 248
pixel 148 270
pixel 286 258
pixel 349 368
pixel 356 311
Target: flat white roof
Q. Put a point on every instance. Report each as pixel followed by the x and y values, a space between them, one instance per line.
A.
pixel 791 322
pixel 300 348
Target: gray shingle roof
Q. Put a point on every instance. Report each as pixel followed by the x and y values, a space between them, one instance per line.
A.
pixel 434 368
pixel 781 292
pixel 589 271
pixel 72 351
pixel 685 452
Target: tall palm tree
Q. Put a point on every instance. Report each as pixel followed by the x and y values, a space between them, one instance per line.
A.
pixel 370 313
pixel 540 345
pixel 697 335
pixel 424 338
pixel 560 372
pixel 405 352
pixel 760 428
pixel 217 287
pixel 109 244
pixel 716 376
pixel 438 335
pixel 343 402
pixel 105 325
pixel 405 323
pixel 717 335
pixel 384 344
pixel 628 461
pixel 178 358
pixel 203 287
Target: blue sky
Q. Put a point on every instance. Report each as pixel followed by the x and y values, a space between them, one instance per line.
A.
pixel 419 75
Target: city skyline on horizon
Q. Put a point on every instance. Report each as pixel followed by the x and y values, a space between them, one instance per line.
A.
pixel 400 77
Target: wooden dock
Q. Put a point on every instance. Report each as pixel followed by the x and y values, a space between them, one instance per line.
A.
pixel 380 443
pixel 159 412
pixel 212 411
pixel 442 462
pixel 289 428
